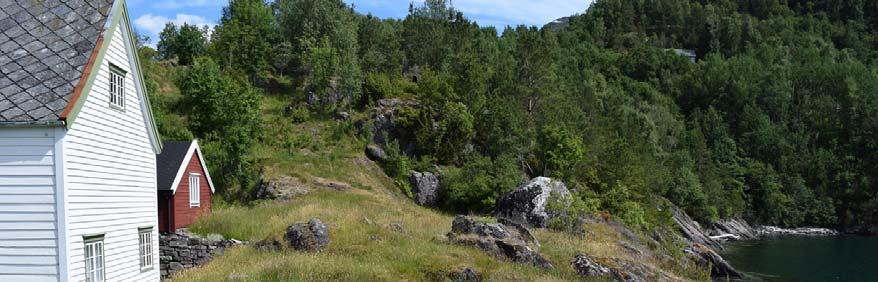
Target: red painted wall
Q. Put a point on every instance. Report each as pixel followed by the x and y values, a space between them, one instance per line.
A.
pixel 183 215
pixel 164 211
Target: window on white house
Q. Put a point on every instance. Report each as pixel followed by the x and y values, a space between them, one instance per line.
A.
pixel 117 87
pixel 146 257
pixel 194 190
pixel 94 259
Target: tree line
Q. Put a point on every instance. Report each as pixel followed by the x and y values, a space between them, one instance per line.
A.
pixel 776 122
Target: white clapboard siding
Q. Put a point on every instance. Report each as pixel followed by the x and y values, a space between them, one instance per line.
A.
pixel 110 173
pixel 28 231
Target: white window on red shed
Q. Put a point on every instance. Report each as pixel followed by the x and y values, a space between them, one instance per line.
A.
pixel 194 190
pixel 117 87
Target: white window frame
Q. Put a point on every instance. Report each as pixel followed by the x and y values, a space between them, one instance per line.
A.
pixel 147 260
pixel 194 190
pixel 116 87
pixel 95 266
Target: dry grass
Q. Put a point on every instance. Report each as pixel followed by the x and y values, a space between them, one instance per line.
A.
pixel 365 248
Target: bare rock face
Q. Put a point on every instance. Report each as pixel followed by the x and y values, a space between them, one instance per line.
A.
pixel 740 229
pixel 588 267
pixel 528 204
pixel 425 186
pixel 706 257
pixel 692 230
pixel 281 188
pixel 506 241
pixel 585 266
pixel 312 236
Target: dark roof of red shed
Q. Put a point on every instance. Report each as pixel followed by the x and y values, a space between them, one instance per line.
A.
pixel 169 161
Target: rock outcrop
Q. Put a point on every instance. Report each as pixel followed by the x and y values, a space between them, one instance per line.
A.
pixel 528 204
pixel 281 188
pixel 382 120
pixel 621 270
pixel 740 229
pixel 692 231
pixel 466 274
pixel 312 236
pixel 425 187
pixel 708 258
pixel 585 266
pixel 499 239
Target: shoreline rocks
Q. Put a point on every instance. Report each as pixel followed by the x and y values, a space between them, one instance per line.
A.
pixel 528 203
pixel 692 231
pixel 708 258
pixel 801 231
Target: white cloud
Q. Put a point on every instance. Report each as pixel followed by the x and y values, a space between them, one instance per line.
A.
pixel 151 25
pixel 176 4
pixel 497 13
pixel 515 12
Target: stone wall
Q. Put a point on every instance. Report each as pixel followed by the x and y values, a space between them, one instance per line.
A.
pixel 179 251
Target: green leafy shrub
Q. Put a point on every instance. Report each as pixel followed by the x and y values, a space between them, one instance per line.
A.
pixel 559 150
pixel 479 183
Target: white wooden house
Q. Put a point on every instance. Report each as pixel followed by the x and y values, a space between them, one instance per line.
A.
pixel 78 146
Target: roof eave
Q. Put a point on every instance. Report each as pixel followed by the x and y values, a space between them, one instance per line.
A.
pixel 21 124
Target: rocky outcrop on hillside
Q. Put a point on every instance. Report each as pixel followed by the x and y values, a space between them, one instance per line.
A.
pixel 466 274
pixel 281 188
pixel 506 240
pixel 425 187
pixel 382 120
pixel 312 236
pixel 528 204
pixel 585 266
pixel 692 231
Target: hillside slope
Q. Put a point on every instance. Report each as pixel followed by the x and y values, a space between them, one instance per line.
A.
pixel 377 232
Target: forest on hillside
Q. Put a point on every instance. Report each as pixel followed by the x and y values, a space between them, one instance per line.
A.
pixel 776 121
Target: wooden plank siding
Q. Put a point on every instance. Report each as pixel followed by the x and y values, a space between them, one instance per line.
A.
pixel 110 176
pixel 183 215
pixel 28 230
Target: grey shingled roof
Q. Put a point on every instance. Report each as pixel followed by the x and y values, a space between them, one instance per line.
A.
pixel 169 161
pixel 45 46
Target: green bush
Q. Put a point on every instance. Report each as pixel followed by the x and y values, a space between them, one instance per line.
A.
pixel 477 185
pixel 560 150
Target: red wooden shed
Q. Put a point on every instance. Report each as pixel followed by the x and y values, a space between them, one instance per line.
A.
pixel 184 186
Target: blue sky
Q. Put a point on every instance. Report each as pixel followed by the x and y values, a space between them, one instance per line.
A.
pixel 150 16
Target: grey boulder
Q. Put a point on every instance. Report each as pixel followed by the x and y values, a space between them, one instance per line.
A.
pixel 312 236
pixel 425 186
pixel 528 203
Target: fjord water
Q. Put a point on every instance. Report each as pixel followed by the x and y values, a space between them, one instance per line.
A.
pixel 803 258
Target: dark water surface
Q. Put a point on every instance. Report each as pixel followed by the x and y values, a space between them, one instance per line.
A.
pixel 839 258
